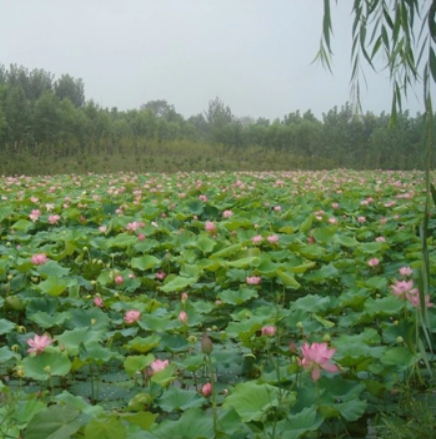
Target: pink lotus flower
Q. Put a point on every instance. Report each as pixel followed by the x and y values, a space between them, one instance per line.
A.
pixel 132 316
pixel 361 219
pixel 141 237
pixel 405 271
pixel 210 227
pixel 401 288
pixel 253 280
pixel 161 275
pixel 158 365
pixel 206 390
pixel 317 357
pixel 203 198
pixel 269 330
pixel 98 302
pixel 39 259
pixel 227 214
pixel 54 219
pixel 256 239
pixel 373 262
pixel 102 229
pixel 413 298
pixel 38 343
pixel 380 239
pixel 273 239
pixel 184 297
pixel 35 214
pixel 277 208
pixel 183 317
pixel 133 226
pixel 119 280
pixel 335 206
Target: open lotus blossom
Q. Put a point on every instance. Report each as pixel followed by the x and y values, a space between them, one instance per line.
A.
pixel 35 214
pixel 134 225
pixel 272 239
pixel 380 239
pixel 401 288
pixel 227 213
pixel 206 390
pixel 256 239
pixel 269 330
pixel 38 343
pixel 405 271
pixel 373 262
pixel 253 280
pixel 413 298
pixel 132 316
pixel 316 357
pixel 39 259
pixel 54 219
pixel 158 365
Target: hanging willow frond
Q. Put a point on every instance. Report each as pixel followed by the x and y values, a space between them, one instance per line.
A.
pixel 401 35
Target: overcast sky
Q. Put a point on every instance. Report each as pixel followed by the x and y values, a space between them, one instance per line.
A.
pixel 254 54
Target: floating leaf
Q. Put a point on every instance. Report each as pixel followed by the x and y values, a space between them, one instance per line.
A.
pixel 252 401
pixel 41 367
pixel 137 363
pixel 177 399
pixel 105 429
pixel 178 284
pixel 55 422
pixel 53 286
pixel 146 262
pixel 237 297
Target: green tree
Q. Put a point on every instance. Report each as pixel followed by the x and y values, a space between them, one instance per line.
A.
pixel 73 89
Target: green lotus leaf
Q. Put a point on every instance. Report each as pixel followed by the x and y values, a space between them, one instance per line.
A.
pixel 146 262
pixel 144 345
pixel 178 284
pixel 41 367
pixel 237 297
pixel 105 428
pixel 53 286
pixel 179 399
pixel 136 363
pixel 252 401
pixel 55 422
pixel 192 424
pixel 6 326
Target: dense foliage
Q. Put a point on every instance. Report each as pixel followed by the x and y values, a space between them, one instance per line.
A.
pixel 228 305
pixel 46 119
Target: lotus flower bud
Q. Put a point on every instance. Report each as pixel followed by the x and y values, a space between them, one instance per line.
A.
pixel 206 344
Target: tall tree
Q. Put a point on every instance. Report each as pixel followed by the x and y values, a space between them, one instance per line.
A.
pixel 73 89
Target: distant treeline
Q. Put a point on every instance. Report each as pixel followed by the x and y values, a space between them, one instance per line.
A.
pixel 47 117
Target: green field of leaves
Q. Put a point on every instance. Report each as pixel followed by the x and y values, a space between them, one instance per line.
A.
pixel 214 305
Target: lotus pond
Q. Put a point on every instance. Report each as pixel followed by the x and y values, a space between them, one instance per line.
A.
pixel 214 305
